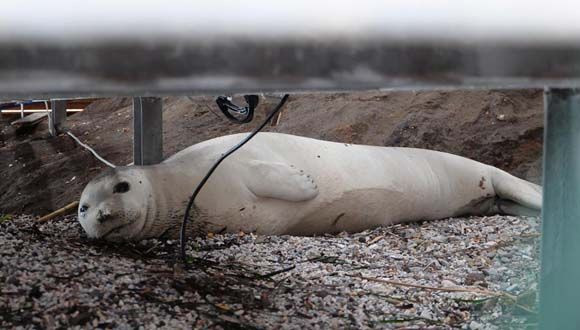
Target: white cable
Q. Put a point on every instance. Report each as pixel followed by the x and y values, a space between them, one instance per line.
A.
pixel 91 150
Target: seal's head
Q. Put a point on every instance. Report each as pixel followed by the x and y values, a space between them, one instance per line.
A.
pixel 113 206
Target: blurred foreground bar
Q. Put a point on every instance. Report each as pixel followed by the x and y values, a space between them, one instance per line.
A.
pixel 560 289
pixel 174 47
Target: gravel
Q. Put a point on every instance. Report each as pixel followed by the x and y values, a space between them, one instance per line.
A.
pixel 467 273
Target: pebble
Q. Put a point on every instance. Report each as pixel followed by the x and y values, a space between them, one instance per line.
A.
pixel 448 284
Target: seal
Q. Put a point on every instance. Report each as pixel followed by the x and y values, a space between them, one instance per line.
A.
pixel 285 184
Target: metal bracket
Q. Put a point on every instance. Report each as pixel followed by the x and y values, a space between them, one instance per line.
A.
pixel 57 116
pixel 147 130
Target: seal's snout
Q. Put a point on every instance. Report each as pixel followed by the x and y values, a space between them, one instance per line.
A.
pixel 104 224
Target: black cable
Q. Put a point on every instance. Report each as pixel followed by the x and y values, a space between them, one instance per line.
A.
pixel 226 106
pixel 182 238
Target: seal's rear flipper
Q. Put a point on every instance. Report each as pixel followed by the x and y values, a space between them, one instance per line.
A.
pixel 525 195
pixel 508 207
pixel 280 181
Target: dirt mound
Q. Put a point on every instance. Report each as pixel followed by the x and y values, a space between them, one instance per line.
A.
pixel 502 128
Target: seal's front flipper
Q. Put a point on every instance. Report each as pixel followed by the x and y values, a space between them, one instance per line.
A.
pixel 280 181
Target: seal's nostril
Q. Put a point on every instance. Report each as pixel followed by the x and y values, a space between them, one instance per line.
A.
pixel 102 217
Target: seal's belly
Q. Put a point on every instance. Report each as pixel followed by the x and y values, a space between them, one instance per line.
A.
pixel 351 211
pixel 359 187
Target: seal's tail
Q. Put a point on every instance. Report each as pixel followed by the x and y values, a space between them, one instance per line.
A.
pixel 517 196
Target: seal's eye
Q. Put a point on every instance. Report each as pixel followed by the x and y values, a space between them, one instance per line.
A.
pixel 121 187
pixel 84 208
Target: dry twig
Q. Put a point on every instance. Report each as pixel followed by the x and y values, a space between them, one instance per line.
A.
pixel 61 211
pixel 376 239
pixel 445 289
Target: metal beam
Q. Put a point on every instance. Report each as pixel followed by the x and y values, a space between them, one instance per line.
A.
pixel 364 44
pixel 285 66
pixel 57 116
pixel 560 273
pixel 147 130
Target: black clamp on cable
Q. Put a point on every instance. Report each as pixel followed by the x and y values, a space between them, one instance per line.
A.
pixel 245 114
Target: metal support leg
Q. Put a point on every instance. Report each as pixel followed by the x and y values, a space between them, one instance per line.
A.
pixel 560 274
pixel 57 116
pixel 147 130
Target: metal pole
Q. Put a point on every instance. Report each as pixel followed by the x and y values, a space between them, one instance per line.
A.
pixel 560 273
pixel 57 116
pixel 147 130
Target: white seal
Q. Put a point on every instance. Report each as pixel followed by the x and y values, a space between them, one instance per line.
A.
pixel 284 184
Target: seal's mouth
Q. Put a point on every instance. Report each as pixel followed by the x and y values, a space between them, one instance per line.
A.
pixel 114 230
